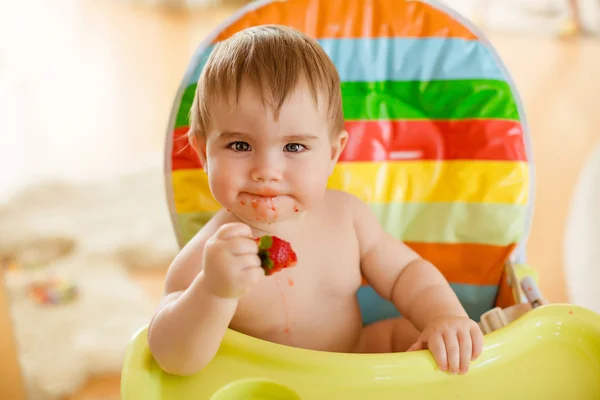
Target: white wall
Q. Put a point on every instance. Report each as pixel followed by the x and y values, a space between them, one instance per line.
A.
pixel 582 238
pixel 540 17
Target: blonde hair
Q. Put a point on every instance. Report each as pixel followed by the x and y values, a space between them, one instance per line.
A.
pixel 273 59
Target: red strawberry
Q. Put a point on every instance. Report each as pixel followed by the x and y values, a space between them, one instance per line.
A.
pixel 275 254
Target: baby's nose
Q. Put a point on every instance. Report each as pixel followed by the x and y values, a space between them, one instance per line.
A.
pixel 267 170
pixel 265 175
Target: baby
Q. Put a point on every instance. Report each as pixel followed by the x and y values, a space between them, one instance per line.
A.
pixel 268 126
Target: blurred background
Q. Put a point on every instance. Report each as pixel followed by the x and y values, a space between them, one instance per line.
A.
pixel 86 88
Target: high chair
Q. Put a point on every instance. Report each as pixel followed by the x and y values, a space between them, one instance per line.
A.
pixel 432 113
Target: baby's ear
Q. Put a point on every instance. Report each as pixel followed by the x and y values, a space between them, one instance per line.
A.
pixel 338 144
pixel 199 145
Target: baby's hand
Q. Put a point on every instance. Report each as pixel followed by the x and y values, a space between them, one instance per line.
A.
pixel 453 341
pixel 231 262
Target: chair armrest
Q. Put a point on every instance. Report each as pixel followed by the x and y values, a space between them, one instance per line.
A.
pixel 518 276
pixel 140 376
pixel 515 274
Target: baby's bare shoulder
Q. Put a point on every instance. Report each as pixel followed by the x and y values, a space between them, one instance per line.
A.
pixel 365 223
pixel 345 202
pixel 340 198
pixel 343 206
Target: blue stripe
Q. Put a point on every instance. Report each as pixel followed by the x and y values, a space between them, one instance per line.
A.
pixel 401 59
pixel 475 299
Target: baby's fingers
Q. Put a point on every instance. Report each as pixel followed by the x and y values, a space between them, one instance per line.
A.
pixel 253 274
pixel 466 350
pixel 250 261
pixel 242 245
pixel 418 345
pixel 452 350
pixel 477 339
pixel 438 349
pixel 233 229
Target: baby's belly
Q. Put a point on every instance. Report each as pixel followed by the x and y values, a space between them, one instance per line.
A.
pixel 317 322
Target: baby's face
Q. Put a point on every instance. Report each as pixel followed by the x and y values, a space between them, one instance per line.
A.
pixel 265 169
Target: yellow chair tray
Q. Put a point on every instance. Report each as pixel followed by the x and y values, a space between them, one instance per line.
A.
pixel 552 352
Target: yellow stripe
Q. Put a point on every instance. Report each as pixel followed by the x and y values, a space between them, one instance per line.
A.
pixel 191 192
pixel 434 181
pixel 390 182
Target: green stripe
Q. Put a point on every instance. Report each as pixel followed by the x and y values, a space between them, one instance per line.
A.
pixel 183 113
pixel 492 224
pixel 190 224
pixel 456 99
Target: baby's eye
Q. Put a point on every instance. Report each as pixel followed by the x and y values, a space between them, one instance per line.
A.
pixel 239 146
pixel 294 147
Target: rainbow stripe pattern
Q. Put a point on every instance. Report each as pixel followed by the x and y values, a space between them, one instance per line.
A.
pixel 437 142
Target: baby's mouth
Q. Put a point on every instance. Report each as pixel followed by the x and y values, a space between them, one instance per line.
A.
pixel 261 201
pixel 265 205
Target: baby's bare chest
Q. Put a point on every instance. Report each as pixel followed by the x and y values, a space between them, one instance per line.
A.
pixel 311 295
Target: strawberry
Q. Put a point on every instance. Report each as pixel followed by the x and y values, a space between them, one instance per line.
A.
pixel 275 254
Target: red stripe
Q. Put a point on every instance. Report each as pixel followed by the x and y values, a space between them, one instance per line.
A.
pixel 434 140
pixel 493 140
pixel 183 156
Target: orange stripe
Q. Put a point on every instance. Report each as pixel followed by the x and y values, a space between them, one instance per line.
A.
pixel 475 264
pixel 331 19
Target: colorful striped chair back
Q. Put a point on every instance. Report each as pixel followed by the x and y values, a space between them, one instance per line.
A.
pixel 437 146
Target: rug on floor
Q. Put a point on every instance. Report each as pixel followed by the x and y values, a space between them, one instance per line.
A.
pixel 89 234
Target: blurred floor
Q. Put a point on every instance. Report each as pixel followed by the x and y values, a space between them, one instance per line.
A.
pixel 86 91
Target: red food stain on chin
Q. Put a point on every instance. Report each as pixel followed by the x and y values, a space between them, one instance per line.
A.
pixel 286 330
pixel 243 202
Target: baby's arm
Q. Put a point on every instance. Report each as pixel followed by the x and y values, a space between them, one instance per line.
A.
pixel 186 331
pixel 420 293
pixel 415 286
